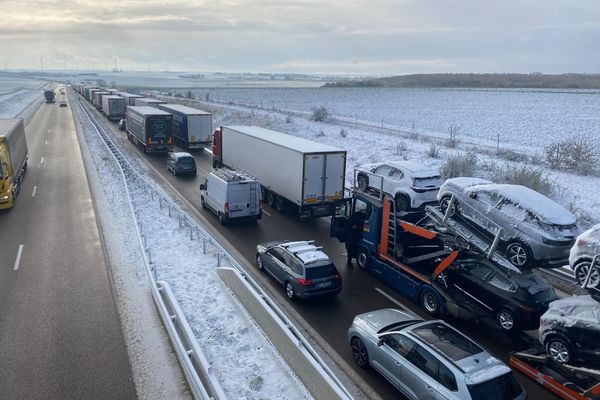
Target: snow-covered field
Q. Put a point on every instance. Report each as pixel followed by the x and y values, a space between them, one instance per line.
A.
pixel 365 145
pixel 521 118
pixel 13 102
pixel 245 362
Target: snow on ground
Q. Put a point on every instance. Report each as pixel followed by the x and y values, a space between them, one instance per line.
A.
pixel 13 102
pixel 245 362
pixel 577 193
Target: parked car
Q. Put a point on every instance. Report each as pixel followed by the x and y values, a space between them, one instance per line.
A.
pixel 181 164
pixel 570 329
pixel 232 195
pixel 516 300
pixel 429 359
pixel 411 185
pixel 536 230
pixel 586 247
pixel 122 124
pixel 62 104
pixel 302 268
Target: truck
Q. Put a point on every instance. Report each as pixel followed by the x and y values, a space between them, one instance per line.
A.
pixel 13 160
pixel 87 92
pixel 97 99
pixel 295 174
pixel 129 98
pixel 149 128
pixel 49 95
pixel 148 101
pixel 113 107
pixel 192 128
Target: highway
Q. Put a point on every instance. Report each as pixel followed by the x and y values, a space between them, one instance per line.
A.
pixel 330 318
pixel 60 335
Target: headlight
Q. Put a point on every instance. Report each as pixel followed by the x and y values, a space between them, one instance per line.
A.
pixel 5 197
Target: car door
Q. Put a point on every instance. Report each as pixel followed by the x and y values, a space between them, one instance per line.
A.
pixel 390 358
pixel 421 373
pixel 381 179
pixel 274 263
pixel 470 279
pixel 340 221
pixel 396 179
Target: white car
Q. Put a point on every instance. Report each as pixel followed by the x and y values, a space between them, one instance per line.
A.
pixel 586 247
pixel 411 185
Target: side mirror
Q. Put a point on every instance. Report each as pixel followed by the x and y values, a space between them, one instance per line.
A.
pixel 380 342
pixel 473 195
pixel 203 186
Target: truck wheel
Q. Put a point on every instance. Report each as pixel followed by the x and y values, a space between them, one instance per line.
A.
pixel 363 259
pixel 429 303
pixel 280 204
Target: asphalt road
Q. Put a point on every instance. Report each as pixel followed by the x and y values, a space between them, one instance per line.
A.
pixel 60 335
pixel 361 291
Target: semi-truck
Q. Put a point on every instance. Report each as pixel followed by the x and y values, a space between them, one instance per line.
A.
pixel 113 107
pixel 97 99
pixel 13 160
pixel 192 128
pixel 130 98
pixel 294 173
pixel 49 95
pixel 149 128
pixel 148 101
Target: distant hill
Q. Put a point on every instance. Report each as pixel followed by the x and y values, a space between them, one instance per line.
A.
pixel 536 80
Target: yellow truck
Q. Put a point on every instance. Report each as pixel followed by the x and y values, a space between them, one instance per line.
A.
pixel 13 160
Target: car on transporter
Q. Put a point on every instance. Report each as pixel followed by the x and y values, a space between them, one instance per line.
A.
pixel 302 268
pixel 583 253
pixel 536 231
pixel 429 359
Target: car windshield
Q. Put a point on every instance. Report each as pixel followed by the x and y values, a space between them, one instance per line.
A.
pixel 504 387
pixel 186 161
pixel 432 181
pixel 447 341
pixel 322 271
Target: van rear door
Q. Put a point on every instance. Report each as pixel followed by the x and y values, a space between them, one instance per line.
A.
pixel 243 198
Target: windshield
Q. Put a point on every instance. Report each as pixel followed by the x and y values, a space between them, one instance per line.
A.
pixel 320 272
pixel 504 387
pixel 432 181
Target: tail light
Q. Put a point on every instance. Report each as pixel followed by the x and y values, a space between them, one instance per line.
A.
pixel 527 309
pixel 170 140
pixel 304 282
pixel 226 209
pixel 338 276
pixel 581 242
pixel 149 141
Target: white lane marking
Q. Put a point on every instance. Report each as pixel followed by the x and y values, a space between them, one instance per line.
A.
pixel 264 212
pixel 46 142
pixel 393 300
pixel 18 260
pixel 42 160
pixel 34 191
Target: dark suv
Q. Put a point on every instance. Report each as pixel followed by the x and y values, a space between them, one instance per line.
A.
pixel 181 163
pixel 302 268
pixel 515 299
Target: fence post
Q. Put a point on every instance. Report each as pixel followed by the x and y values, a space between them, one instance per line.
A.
pixel 169 210
pixel 203 245
pixel 191 233
pixel 179 220
pixel 218 260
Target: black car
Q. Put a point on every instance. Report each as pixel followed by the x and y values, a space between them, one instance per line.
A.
pixel 516 300
pixel 301 267
pixel 570 329
pixel 181 164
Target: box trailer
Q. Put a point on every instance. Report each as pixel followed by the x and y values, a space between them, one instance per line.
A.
pixel 149 128
pixel 13 160
pixel 148 101
pixel 91 92
pixel 97 101
pixel 130 98
pixel 192 128
pixel 113 107
pixel 294 173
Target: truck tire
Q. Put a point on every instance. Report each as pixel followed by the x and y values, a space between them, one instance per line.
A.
pixel 363 258
pixel 280 204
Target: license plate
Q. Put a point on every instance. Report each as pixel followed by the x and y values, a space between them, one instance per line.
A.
pixel 324 284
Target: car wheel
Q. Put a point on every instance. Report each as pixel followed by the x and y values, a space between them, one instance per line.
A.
pixel 445 202
pixel 362 181
pixel 402 203
pixel 429 303
pixel 359 352
pixel 582 269
pixel 203 202
pixel 280 204
pixel 363 259
pixel 289 290
pixel 518 254
pixel 221 219
pixel 506 321
pixel 259 263
pixel 558 350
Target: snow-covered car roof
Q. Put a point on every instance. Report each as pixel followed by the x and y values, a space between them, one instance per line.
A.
pixel 548 210
pixel 576 309
pixel 467 181
pixel 592 234
pixel 416 170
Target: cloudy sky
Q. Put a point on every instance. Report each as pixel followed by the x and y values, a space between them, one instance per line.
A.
pixel 384 37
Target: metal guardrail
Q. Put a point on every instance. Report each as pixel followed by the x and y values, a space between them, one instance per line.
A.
pixel 194 363
pixel 196 231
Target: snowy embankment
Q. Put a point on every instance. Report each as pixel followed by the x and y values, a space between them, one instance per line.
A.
pixel 13 103
pixel 373 144
pixel 244 361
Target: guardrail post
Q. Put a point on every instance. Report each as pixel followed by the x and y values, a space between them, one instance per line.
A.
pixel 160 202
pixel 113 197
pixel 154 272
pixel 148 254
pixel 169 206
pixel 191 233
pixel 219 260
pixel 203 245
pixel 179 220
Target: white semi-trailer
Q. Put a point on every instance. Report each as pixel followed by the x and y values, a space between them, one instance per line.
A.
pixel 294 173
pixel 113 107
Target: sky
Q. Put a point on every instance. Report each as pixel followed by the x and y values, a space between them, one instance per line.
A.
pixel 376 37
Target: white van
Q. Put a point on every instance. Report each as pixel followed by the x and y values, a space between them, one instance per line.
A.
pixel 231 195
